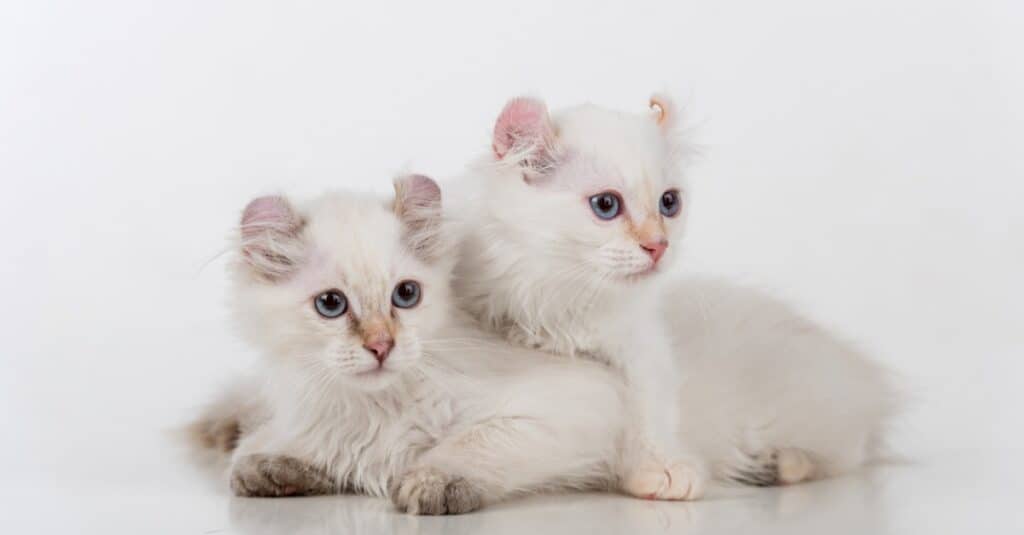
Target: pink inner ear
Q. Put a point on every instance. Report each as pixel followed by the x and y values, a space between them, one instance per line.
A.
pixel 271 212
pixel 523 121
pixel 420 190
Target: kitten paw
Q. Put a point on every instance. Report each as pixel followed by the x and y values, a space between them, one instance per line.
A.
pixel 794 466
pixel 783 466
pixel 679 481
pixel 277 475
pixel 428 491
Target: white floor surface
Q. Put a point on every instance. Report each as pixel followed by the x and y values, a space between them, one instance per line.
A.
pixel 965 493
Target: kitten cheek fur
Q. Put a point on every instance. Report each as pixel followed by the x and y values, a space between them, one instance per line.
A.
pixel 561 163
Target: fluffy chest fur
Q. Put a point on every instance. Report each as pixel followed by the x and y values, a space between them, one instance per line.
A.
pixel 538 304
pixel 364 440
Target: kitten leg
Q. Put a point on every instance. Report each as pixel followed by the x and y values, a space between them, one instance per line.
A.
pixel 480 465
pixel 278 475
pixel 557 429
pixel 658 466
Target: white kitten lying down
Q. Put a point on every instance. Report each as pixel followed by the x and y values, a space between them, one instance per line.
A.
pixel 375 384
pixel 567 227
pixel 563 249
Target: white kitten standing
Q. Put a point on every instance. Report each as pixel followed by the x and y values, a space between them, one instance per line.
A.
pixel 567 227
pixel 376 384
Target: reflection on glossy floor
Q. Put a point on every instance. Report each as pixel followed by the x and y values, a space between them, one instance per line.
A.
pixel 956 495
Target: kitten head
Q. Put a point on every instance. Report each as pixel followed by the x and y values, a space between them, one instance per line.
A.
pixel 589 187
pixel 345 286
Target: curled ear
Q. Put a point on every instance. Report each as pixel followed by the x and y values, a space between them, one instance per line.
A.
pixel 418 206
pixel 525 134
pixel 664 111
pixel 270 237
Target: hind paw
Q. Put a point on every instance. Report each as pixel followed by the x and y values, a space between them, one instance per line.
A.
pixel 794 466
pixel 784 466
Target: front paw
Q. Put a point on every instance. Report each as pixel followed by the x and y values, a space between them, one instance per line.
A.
pixel 676 481
pixel 277 475
pixel 428 491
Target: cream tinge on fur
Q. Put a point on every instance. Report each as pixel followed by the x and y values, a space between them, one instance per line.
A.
pixel 374 383
pixel 567 228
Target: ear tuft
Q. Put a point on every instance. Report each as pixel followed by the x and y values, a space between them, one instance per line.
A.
pixel 524 130
pixel 269 230
pixel 665 113
pixel 418 206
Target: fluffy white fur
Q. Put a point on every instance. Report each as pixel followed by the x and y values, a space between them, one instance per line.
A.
pixel 721 379
pixel 453 419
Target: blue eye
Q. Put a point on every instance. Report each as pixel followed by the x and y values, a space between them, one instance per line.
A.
pixel 406 294
pixel 670 203
pixel 330 304
pixel 606 205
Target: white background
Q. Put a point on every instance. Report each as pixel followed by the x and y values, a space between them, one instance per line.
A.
pixel 862 159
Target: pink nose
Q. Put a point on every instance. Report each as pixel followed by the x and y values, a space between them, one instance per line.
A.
pixel 380 348
pixel 655 248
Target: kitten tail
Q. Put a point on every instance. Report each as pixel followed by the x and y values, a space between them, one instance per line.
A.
pixel 212 437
